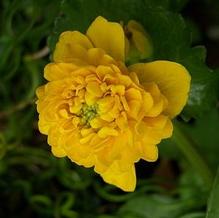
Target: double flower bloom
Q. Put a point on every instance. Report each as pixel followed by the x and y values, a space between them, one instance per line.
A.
pixel 101 113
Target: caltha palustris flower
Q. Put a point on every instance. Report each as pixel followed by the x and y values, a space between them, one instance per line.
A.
pixel 101 113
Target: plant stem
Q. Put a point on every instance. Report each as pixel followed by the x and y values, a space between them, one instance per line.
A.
pixel 185 145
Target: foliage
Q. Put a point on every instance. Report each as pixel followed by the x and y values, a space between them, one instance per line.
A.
pixel 35 184
pixel 213 201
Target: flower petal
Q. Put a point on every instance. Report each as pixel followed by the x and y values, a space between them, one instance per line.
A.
pixel 139 40
pixel 126 180
pixel 57 71
pixel 71 45
pixel 149 152
pixel 58 151
pixel 172 79
pixel 108 36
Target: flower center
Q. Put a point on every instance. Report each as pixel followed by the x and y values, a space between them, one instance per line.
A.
pixel 88 113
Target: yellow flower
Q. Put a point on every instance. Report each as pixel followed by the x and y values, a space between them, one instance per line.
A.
pixel 102 114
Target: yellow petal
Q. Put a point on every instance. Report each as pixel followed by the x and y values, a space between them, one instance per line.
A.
pixel 140 39
pixel 107 131
pixel 149 152
pixel 156 109
pixel 97 56
pixel 76 108
pixel 94 89
pixel 133 93
pixel 172 79
pixel 40 91
pixel 56 71
pixel 78 153
pixel 135 107
pixel 90 99
pixel 97 123
pixel 122 121
pixel 86 139
pixel 133 25
pixel 156 122
pixel 43 125
pixel 118 89
pixel 58 151
pixel 72 45
pixel 168 129
pixel 126 180
pixel 85 132
pixel 109 36
pixel 147 101
pixel 105 104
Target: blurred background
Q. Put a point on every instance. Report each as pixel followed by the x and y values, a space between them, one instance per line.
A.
pixel 35 184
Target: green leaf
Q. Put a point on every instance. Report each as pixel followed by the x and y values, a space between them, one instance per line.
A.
pixel 213 209
pixel 204 134
pixel 203 93
pixel 178 5
pixel 156 206
pixel 42 203
pixel 194 215
pixel 191 186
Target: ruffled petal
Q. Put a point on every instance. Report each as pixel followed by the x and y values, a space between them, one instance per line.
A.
pixel 172 79
pixel 57 71
pixel 108 36
pixel 58 151
pixel 149 152
pixel 40 91
pixel 72 45
pixel 126 180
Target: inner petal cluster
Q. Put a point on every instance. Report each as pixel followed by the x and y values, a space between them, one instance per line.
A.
pixel 101 117
pixel 102 99
pixel 95 107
